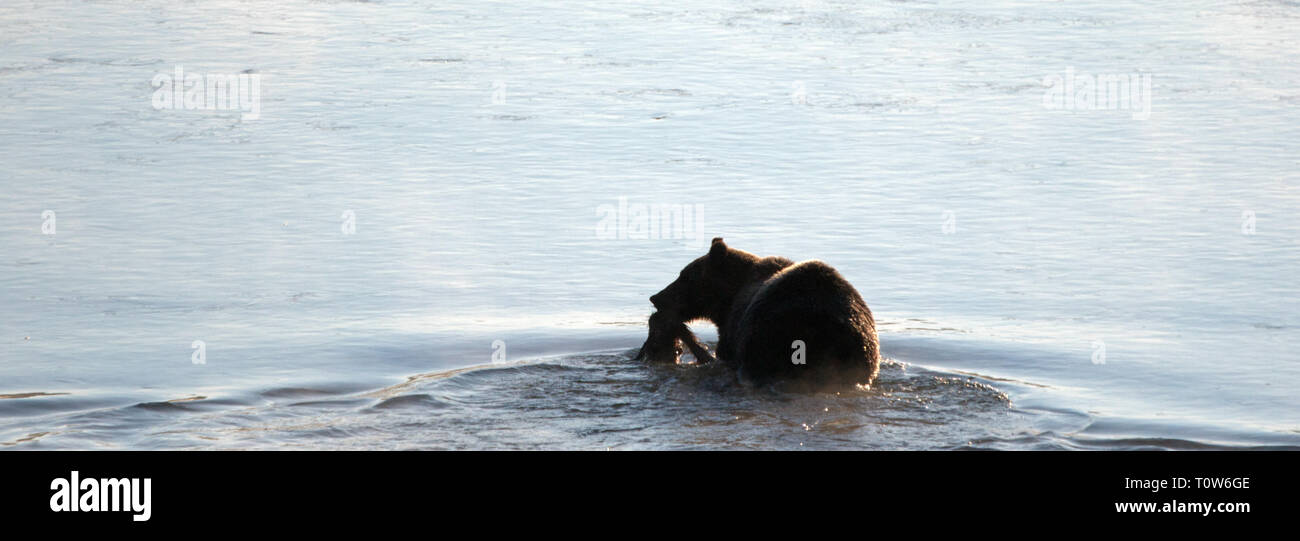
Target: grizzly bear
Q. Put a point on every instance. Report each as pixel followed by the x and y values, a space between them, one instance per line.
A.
pixel 776 319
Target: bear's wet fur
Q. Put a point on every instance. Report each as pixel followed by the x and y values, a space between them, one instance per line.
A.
pixel 761 306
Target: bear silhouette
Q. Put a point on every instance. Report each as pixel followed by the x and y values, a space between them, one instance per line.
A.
pixel 776 319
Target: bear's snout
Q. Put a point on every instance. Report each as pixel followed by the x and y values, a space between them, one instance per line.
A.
pixel 664 301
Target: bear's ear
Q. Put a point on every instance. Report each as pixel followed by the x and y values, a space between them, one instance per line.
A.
pixel 718 249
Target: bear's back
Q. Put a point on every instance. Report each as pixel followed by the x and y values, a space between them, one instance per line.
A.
pixel 812 303
pixel 808 288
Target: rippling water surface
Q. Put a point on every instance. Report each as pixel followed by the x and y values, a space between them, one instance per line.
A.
pixel 1042 278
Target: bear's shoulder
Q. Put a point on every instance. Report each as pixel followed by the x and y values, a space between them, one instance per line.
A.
pixel 766 267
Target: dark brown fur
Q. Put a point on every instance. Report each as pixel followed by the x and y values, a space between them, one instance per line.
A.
pixel 761 306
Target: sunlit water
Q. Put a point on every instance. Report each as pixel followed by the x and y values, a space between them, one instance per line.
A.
pixel 1042 278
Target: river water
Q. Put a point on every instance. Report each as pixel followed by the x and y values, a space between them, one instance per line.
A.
pixel 425 234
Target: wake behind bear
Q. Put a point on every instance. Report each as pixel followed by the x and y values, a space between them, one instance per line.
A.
pixel 777 320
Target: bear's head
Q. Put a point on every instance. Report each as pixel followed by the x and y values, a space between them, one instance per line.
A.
pixel 706 287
